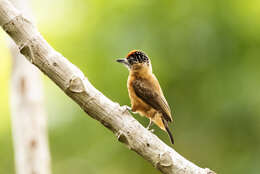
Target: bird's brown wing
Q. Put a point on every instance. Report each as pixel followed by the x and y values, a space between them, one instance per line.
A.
pixel 146 91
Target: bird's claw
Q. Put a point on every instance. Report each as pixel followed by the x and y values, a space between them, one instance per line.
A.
pixel 129 109
pixel 151 130
pixel 149 126
pixel 126 109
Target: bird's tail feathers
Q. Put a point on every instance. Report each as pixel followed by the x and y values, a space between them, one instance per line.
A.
pixel 168 130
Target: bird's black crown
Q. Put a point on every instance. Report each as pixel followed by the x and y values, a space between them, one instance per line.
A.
pixel 137 57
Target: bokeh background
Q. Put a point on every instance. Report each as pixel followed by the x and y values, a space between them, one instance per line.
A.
pixel 205 54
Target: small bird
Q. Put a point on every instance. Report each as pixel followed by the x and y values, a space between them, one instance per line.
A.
pixel 145 92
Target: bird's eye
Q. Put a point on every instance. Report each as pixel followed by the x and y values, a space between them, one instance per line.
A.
pixel 131 60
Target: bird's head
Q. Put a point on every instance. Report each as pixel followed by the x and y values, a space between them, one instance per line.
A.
pixel 136 60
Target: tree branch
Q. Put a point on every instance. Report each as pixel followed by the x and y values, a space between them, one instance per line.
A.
pixel 28 115
pixel 73 82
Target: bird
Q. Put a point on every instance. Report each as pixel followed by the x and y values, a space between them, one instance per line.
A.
pixel 145 93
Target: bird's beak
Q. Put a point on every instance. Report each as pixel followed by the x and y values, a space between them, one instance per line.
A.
pixel 123 61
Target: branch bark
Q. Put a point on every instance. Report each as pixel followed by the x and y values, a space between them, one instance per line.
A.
pixel 73 82
pixel 27 110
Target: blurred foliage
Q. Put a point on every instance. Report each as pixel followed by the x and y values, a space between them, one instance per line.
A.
pixel 205 55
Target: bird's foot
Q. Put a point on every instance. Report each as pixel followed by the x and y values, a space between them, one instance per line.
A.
pixel 149 126
pixel 151 130
pixel 128 109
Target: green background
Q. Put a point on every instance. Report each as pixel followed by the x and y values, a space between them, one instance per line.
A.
pixel 205 54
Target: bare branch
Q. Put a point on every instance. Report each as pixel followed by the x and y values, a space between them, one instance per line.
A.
pixel 28 116
pixel 73 82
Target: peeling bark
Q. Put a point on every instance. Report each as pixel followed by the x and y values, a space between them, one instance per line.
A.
pixel 73 82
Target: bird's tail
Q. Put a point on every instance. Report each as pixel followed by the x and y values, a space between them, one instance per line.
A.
pixel 168 130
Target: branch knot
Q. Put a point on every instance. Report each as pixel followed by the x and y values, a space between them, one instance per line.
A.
pixel 164 160
pixel 76 85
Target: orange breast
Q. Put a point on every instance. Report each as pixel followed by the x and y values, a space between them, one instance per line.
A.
pixel 137 104
pixel 142 108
